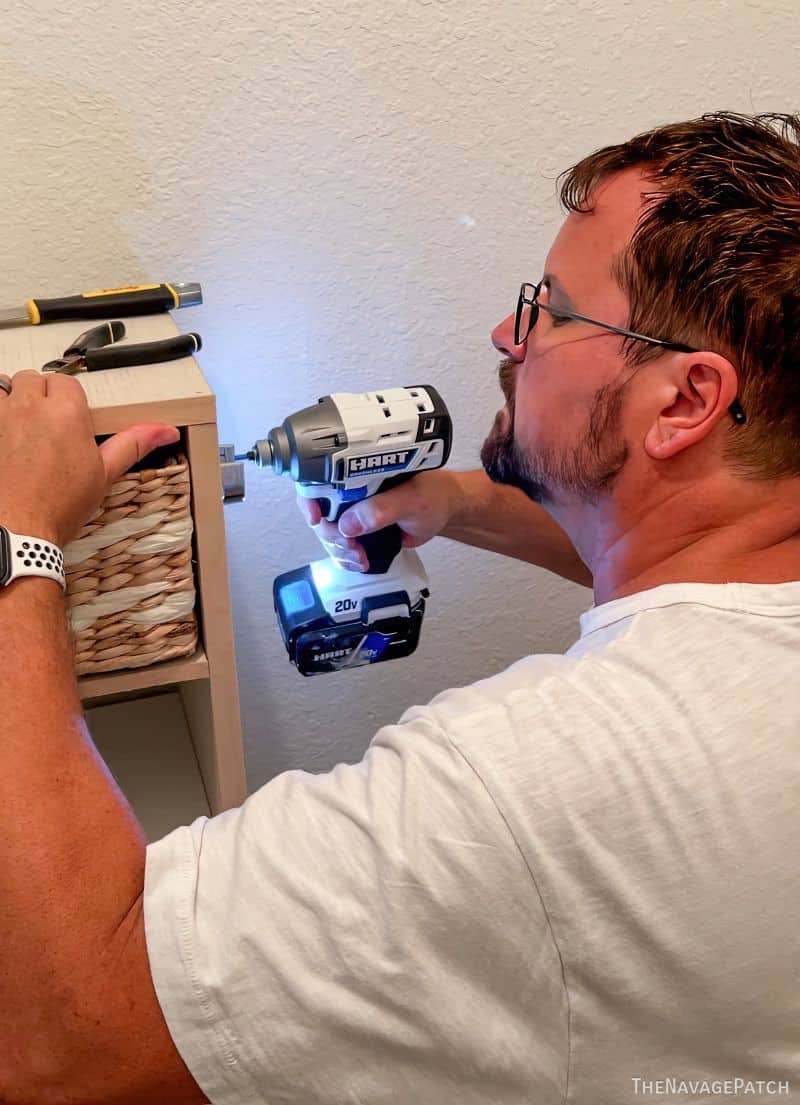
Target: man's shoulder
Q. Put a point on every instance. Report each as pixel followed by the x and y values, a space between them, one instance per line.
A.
pixel 551 713
pixel 539 683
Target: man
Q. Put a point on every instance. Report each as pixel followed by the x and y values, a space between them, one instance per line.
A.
pixel 573 881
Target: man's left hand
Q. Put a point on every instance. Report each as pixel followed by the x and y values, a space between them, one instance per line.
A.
pixel 54 474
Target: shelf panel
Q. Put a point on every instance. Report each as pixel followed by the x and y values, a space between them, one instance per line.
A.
pixel 147 746
pixel 142 679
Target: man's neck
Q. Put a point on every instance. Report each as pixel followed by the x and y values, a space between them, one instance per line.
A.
pixel 776 565
pixel 667 545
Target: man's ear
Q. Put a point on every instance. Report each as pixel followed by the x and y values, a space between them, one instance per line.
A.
pixel 695 394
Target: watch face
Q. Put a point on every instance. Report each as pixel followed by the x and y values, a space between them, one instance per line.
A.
pixel 5 557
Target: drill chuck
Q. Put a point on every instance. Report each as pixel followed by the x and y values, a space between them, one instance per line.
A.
pixel 279 450
pixel 266 455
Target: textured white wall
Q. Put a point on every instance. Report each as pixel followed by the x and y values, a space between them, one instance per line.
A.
pixel 360 187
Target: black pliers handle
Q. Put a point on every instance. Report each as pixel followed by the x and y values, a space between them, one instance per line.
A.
pixel 87 353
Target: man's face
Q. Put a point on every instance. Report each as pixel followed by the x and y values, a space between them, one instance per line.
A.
pixel 562 429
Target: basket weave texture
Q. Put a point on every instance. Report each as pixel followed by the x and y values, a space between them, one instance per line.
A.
pixel 130 583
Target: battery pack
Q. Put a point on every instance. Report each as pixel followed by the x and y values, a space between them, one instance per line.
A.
pixel 326 628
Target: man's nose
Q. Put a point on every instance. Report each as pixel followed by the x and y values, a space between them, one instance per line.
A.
pixel 503 340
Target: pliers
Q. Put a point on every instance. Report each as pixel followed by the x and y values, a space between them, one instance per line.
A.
pixel 86 352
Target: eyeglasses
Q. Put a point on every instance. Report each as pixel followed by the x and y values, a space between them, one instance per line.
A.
pixel 528 307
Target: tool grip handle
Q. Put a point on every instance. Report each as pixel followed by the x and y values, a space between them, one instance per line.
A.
pixel 144 299
pixel 383 545
pixel 104 334
pixel 148 352
pixel 381 548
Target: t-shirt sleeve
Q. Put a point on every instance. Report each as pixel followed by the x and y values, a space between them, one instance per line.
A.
pixel 370 935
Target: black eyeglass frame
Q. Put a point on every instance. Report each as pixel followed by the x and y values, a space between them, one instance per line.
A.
pixel 531 301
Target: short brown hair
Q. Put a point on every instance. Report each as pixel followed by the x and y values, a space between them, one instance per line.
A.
pixel 715 263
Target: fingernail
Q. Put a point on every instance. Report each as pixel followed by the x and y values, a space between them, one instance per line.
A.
pixel 168 435
pixel 350 524
pixel 351 565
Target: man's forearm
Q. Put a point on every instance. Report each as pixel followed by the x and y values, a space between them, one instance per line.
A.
pixel 72 862
pixel 504 520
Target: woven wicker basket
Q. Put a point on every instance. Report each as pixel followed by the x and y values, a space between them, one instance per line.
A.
pixel 130 585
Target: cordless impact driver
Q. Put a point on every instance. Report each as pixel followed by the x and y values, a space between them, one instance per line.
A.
pixel 344 449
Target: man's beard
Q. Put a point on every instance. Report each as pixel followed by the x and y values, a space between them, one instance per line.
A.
pixel 586 471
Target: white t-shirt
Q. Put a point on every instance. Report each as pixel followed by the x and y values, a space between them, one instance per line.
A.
pixel 570 882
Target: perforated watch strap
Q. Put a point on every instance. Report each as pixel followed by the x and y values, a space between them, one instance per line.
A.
pixel 31 556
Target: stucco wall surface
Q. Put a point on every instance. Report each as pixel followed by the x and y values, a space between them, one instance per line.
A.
pixel 360 187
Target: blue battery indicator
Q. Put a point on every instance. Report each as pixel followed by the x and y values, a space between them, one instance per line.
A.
pixel 296 597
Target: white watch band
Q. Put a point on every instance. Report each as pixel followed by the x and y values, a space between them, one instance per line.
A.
pixel 33 556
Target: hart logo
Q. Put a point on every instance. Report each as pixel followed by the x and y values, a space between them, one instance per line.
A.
pixel 381 462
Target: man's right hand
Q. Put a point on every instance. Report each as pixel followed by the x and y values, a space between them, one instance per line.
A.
pixel 422 507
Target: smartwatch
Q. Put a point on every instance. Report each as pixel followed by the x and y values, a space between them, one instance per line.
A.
pixel 29 556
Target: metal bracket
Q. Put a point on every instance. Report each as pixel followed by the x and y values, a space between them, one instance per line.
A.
pixel 232 475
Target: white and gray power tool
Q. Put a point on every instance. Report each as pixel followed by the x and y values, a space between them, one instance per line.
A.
pixel 340 451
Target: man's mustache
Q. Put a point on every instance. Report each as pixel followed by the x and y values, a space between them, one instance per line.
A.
pixel 506 372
